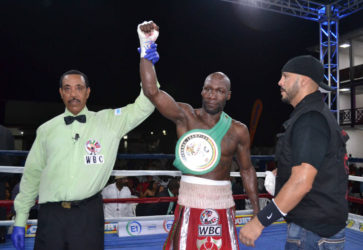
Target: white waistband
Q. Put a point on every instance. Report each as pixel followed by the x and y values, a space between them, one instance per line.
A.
pixel 203 181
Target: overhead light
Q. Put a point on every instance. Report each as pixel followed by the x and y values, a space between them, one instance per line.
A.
pixel 344 45
pixel 125 137
pixel 164 132
pixel 152 132
pixel 345 89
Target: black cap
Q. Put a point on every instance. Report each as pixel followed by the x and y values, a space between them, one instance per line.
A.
pixel 308 66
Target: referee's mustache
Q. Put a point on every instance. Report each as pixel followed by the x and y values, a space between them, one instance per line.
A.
pixel 74 100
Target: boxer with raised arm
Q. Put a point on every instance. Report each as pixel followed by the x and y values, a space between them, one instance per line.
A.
pixel 208 141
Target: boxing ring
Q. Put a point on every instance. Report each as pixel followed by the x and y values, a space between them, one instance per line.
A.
pixel 150 232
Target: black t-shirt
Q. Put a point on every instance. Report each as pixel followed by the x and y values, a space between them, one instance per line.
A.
pixel 310 143
pixel 310 139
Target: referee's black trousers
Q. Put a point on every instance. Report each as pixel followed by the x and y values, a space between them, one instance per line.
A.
pixel 80 227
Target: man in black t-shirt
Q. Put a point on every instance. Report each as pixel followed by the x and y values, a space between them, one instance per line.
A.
pixel 312 171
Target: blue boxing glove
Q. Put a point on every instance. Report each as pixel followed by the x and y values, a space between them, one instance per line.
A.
pixel 18 237
pixel 151 53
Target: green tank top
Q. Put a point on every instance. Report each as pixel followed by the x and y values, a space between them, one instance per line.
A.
pixel 198 151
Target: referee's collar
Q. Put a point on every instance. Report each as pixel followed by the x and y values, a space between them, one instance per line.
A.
pixel 84 111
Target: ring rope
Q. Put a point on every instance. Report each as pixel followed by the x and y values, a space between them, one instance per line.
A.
pixel 19 170
pixel 125 219
pixel 9 203
pixel 138 156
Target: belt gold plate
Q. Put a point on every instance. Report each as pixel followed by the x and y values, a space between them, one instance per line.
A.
pixel 66 204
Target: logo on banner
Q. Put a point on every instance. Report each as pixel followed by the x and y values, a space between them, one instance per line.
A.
pixel 31 230
pixel 133 228
pixel 209 244
pixel 167 224
pixel 242 220
pixel 350 223
pixel 111 227
pixel 210 227
pixel 93 148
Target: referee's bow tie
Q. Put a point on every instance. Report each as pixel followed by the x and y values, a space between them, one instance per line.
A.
pixel 69 119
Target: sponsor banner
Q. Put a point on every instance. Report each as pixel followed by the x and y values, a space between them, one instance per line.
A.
pixel 111 227
pixel 30 230
pixel 242 219
pixel 167 224
pixel 135 227
pixel 355 222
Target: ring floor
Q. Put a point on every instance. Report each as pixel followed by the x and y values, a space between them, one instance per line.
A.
pixel 272 238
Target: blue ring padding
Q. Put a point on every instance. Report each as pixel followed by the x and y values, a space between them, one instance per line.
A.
pixel 272 238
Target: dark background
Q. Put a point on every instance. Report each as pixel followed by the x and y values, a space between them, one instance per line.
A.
pixel 41 39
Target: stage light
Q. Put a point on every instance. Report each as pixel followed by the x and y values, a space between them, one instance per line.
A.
pixel 344 45
pixel 345 90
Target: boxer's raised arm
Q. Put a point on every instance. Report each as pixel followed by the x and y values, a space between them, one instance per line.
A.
pixel 166 105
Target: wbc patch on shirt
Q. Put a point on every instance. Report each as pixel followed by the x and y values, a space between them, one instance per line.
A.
pixel 118 111
pixel 93 148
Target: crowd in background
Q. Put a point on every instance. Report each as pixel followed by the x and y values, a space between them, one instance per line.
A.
pixel 140 187
pixel 355 189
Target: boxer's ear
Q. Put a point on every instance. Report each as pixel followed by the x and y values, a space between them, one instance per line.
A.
pixel 229 94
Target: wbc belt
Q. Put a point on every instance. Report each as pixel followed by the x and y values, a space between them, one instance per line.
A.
pixel 198 151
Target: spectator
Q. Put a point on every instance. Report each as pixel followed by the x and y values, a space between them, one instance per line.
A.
pixel 164 181
pixel 165 208
pixel 117 190
pixel 145 209
pixel 143 185
pixel 132 184
pixel 152 190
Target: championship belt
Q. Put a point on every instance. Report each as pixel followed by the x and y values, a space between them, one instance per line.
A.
pixel 198 151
